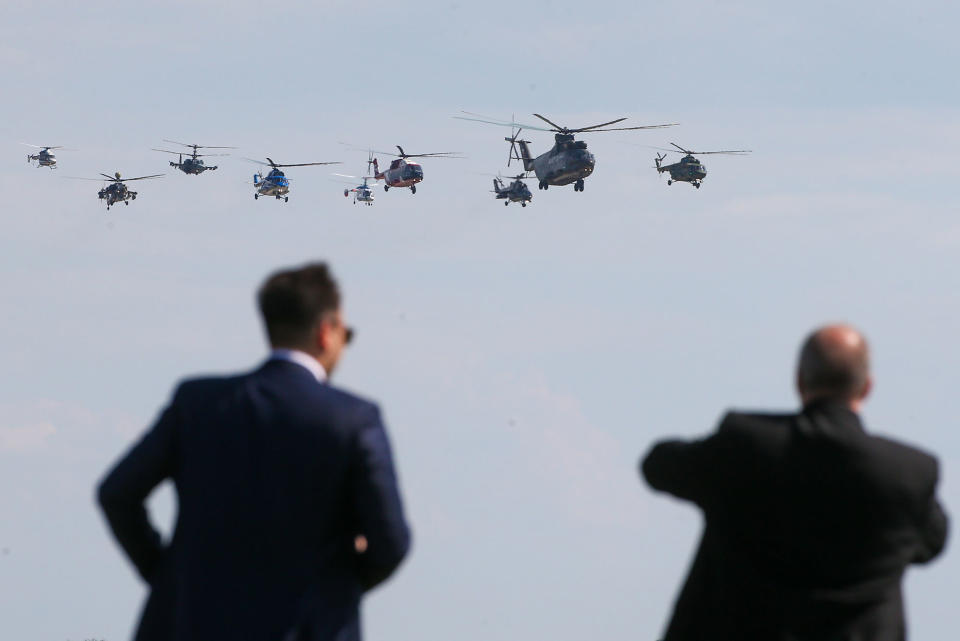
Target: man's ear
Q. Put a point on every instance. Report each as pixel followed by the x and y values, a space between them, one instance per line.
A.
pixel 867 388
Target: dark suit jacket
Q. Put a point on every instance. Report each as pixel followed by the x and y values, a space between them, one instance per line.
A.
pixel 810 525
pixel 275 474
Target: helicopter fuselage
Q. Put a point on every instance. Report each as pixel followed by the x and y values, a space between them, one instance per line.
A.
pixel 362 193
pixel 689 169
pixel 43 159
pixel 116 192
pixel 517 192
pixel 273 184
pixel 192 166
pixel 568 161
pixel 401 173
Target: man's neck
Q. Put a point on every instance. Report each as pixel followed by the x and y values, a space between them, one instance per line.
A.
pixel 302 358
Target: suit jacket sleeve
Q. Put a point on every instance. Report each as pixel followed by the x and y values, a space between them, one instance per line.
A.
pixel 377 508
pixel 124 490
pixel 932 526
pixel 690 470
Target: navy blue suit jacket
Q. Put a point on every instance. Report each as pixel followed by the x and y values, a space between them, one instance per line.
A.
pixel 275 476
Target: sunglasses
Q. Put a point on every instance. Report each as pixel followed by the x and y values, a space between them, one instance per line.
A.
pixel 347 335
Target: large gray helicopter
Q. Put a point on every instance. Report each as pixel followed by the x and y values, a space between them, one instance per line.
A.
pixel 689 169
pixel 117 191
pixel 516 192
pixel 192 164
pixel 43 158
pixel 568 161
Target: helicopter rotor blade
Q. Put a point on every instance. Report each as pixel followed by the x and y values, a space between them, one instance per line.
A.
pixel 166 151
pixel 500 122
pixel 439 154
pixel 43 146
pixel 550 122
pixel 612 122
pixel 123 180
pixel 664 126
pixel 306 164
pixel 727 152
pixel 108 177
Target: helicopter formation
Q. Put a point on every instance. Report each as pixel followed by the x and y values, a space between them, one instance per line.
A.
pixel 567 162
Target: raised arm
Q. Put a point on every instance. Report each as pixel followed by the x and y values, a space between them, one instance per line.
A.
pixel 124 490
pixel 689 470
pixel 377 508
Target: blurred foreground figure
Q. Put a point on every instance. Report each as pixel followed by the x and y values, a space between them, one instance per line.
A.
pixel 810 521
pixel 288 501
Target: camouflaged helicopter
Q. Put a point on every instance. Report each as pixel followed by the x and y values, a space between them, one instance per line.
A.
pixel 516 192
pixel 689 169
pixel 117 191
pixel 568 161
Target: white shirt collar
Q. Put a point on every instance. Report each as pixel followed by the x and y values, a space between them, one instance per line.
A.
pixel 302 359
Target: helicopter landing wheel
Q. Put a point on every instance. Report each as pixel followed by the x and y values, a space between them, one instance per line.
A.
pixel 286 199
pixel 413 189
pixel 386 187
pixel 669 182
pixel 578 186
pixel 506 202
pixel 523 204
pixel 256 196
pixel 126 202
pixel 697 185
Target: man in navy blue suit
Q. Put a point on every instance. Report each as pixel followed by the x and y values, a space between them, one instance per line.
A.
pixel 289 508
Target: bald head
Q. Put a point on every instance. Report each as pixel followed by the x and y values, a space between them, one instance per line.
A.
pixel 835 364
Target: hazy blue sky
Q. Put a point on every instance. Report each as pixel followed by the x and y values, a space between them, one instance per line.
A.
pixel 524 358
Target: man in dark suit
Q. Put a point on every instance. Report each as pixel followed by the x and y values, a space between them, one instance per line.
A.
pixel 288 502
pixel 810 521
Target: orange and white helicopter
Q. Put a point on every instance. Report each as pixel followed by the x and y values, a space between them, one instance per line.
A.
pixel 404 173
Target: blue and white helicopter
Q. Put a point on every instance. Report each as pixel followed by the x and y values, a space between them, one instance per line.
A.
pixel 276 183
pixel 362 192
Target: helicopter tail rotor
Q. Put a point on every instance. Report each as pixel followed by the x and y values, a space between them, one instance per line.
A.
pixel 658 160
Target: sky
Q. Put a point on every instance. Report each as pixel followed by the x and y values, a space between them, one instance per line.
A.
pixel 525 359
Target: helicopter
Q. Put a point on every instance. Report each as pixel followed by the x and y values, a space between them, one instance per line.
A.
pixel 515 192
pixel 689 169
pixel 117 191
pixel 276 183
pixel 363 192
pixel 402 173
pixel 568 161
pixel 43 158
pixel 193 164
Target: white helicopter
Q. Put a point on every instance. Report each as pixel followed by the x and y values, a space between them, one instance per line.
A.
pixel 43 158
pixel 362 192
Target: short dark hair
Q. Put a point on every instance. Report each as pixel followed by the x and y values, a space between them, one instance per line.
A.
pixel 293 300
pixel 830 370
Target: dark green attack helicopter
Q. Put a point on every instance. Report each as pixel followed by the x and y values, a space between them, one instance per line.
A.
pixel 192 163
pixel 689 169
pixel 116 191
